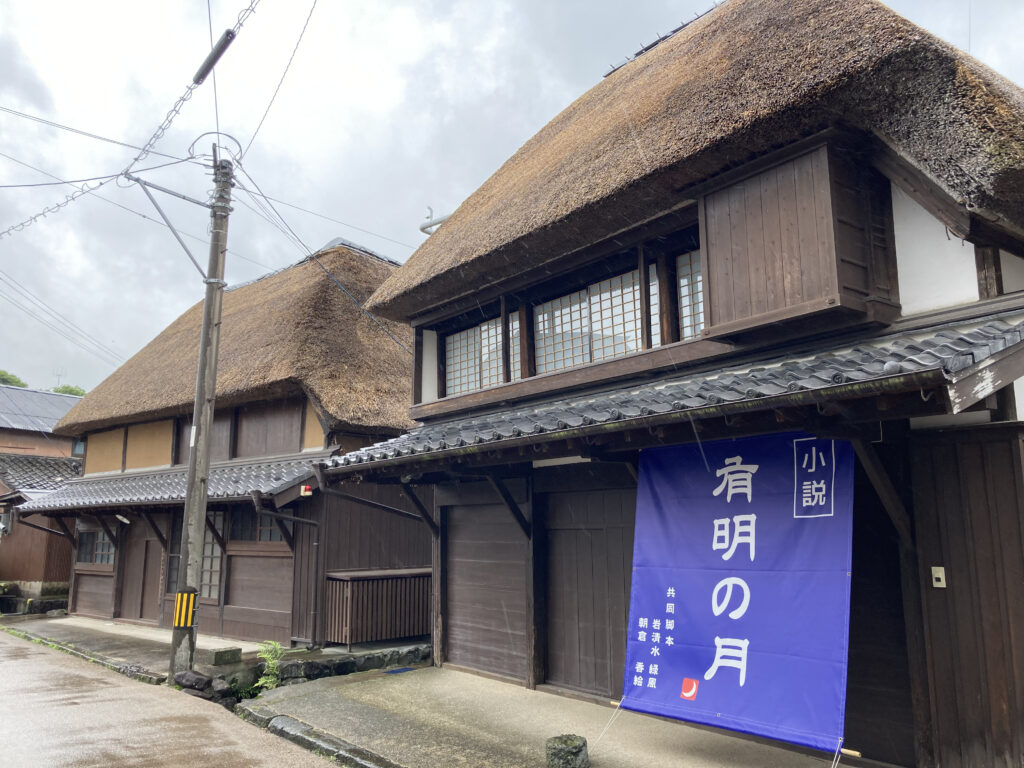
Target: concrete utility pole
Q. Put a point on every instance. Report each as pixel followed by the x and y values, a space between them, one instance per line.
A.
pixel 183 637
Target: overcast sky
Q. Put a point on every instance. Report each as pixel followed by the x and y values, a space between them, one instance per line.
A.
pixel 388 108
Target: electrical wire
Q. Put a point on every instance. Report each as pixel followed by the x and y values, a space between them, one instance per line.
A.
pixel 108 176
pixel 312 255
pixel 281 81
pixel 139 213
pixel 216 105
pixel 96 136
pixel 146 149
pixel 58 317
pixel 343 223
pixel 59 331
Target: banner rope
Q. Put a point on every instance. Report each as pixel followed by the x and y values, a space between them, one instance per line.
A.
pixel 839 753
pixel 618 709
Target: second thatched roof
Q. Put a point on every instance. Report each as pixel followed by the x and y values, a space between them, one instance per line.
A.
pixel 747 77
pixel 294 331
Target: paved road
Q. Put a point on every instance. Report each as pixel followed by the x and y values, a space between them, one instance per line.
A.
pixel 56 710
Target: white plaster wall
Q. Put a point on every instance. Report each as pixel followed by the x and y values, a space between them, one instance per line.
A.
pixel 428 370
pixel 1013 272
pixel 934 270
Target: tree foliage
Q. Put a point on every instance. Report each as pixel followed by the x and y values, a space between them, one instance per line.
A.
pixel 11 379
pixel 69 389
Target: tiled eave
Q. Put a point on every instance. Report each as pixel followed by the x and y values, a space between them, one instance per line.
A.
pixel 228 482
pixel 948 357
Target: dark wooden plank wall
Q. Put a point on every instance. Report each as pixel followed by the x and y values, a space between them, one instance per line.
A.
pixel 486 583
pixel 879 714
pixel 769 241
pixel 589 565
pixel 388 607
pixel 220 437
pixel 258 602
pixel 94 594
pixel 266 429
pixel 353 537
pixel 968 499
pixel 30 555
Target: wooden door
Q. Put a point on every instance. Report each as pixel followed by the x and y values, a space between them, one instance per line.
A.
pixel 151 597
pixel 589 563
pixel 140 583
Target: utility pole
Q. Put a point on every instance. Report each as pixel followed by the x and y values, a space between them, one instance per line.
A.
pixel 183 637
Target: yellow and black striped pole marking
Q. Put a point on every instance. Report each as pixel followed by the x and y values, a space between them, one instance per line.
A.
pixel 185 609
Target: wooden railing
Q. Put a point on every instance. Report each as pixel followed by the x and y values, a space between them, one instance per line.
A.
pixel 370 605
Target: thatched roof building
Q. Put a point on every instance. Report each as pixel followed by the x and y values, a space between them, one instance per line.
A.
pixel 743 79
pixel 293 331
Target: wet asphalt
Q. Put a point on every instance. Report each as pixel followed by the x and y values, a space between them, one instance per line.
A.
pixel 57 710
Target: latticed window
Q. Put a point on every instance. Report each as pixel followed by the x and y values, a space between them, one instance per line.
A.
pixel 654 291
pixel 209 579
pixel 691 295
pixel 473 357
pixel 462 361
pixel 599 322
pixel 562 332
pixel 615 322
pixel 95 547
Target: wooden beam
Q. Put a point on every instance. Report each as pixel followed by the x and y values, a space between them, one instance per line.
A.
pixel 886 491
pixel 668 299
pixel 64 528
pixel 974 384
pixel 506 341
pixel 289 539
pixel 216 534
pixel 527 356
pixel 536 596
pixel 54 531
pixel 645 299
pixel 990 272
pixel 417 367
pixel 411 495
pixel 439 587
pixel 155 529
pixel 372 504
pixel 499 486
pixel 106 529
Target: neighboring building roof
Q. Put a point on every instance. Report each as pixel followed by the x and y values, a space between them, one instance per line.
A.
pixel 744 79
pixel 292 331
pixel 21 472
pixel 229 481
pixel 894 363
pixel 32 410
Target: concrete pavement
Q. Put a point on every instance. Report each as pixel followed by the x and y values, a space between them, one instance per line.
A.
pixel 56 710
pixel 432 717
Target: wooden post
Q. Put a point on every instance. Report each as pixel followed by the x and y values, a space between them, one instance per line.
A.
pixel 536 610
pixel 990 272
pixel 439 585
pixel 644 286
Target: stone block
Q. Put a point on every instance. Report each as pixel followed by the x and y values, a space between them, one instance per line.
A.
pixel 343 666
pixel 290 669
pixel 220 687
pixel 293 681
pixel 369 661
pixel 190 679
pixel 221 656
pixel 423 653
pixel 567 751
pixel 313 670
pixel 207 695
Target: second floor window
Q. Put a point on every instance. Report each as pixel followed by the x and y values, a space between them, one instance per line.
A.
pixel 691 295
pixel 473 358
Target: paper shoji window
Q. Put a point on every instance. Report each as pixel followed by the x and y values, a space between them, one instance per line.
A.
pixel 691 295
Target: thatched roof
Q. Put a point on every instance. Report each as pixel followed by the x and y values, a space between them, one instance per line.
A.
pixel 289 332
pixel 747 77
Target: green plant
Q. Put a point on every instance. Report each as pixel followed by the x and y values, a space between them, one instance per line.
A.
pixel 270 653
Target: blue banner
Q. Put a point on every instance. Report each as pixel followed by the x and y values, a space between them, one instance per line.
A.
pixel 740 599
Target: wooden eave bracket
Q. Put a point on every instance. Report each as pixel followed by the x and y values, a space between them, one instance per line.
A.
pixel 421 513
pixel 974 384
pixel 886 491
pixel 216 534
pixel 421 509
pixel 107 530
pixel 257 502
pixel 499 486
pixel 155 529
pixel 64 532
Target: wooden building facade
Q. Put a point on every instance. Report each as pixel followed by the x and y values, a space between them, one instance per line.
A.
pixel 285 398
pixel 793 252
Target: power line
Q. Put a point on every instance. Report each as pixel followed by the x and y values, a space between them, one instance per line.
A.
pixel 59 331
pixel 68 128
pixel 59 182
pixel 216 104
pixel 60 319
pixel 281 81
pixel 343 223
pixel 135 212
pixel 146 149
pixel 312 255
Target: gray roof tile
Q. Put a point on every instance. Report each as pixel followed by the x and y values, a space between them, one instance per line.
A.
pixel 947 349
pixel 228 480
pixel 21 472
pixel 32 410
